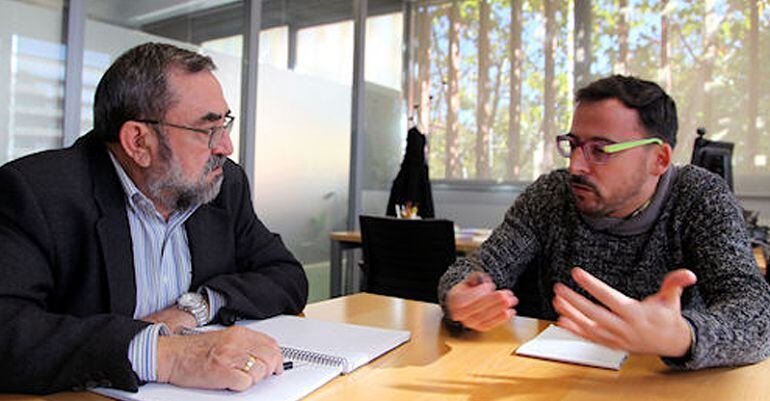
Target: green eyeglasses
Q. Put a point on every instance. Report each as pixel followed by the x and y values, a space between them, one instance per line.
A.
pixel 598 151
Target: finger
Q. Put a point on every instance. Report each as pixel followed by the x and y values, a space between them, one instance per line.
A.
pixel 568 324
pixel 610 297
pixel 259 371
pixel 238 380
pixel 674 284
pixel 587 313
pixel 467 302
pixel 462 296
pixel 587 328
pixel 271 358
pixel 486 306
pixel 496 320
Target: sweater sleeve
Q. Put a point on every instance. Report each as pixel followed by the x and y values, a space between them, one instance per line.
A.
pixel 512 246
pixel 732 323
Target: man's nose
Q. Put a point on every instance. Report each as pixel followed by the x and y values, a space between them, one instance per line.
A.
pixel 224 147
pixel 578 164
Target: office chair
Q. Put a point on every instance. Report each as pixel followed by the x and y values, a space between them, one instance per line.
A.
pixel 714 156
pixel 406 258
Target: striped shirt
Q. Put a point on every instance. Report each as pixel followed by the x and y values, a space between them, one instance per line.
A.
pixel 162 270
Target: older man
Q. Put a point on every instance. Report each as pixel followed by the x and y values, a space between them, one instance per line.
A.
pixel 142 228
pixel 613 246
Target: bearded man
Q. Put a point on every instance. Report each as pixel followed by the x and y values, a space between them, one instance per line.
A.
pixel 140 230
pixel 623 248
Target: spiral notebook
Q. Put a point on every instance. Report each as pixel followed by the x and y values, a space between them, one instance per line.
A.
pixel 320 351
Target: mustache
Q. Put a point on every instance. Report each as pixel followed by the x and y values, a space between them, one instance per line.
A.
pixel 214 162
pixel 580 180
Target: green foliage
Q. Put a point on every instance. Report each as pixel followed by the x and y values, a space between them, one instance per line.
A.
pixel 709 88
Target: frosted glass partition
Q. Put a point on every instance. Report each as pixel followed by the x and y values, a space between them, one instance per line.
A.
pixel 31 78
pixel 326 51
pixel 384 109
pixel 384 136
pixel 302 159
pixel 105 42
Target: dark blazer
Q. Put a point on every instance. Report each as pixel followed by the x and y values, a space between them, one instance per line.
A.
pixel 67 290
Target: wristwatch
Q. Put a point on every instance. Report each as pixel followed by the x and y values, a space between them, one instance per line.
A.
pixel 196 305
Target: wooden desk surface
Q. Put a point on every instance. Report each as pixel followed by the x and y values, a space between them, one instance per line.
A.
pixel 462 244
pixel 482 366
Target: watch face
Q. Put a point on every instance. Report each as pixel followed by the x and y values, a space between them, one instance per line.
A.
pixel 190 299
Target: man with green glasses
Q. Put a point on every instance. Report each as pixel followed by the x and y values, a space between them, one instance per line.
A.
pixel 623 248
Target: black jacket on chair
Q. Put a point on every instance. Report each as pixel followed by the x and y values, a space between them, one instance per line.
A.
pixel 412 184
pixel 67 288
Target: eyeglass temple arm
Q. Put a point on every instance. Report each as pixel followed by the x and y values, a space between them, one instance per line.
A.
pixel 628 145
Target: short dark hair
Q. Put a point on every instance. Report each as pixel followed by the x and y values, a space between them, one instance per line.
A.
pixel 656 109
pixel 135 86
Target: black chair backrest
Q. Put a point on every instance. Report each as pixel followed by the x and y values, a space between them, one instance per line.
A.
pixel 406 258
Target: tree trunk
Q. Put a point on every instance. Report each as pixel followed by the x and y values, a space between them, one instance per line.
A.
pixel 622 63
pixel 701 114
pixel 665 48
pixel 483 108
pixel 452 158
pixel 423 61
pixel 514 106
pixel 752 137
pixel 549 90
pixel 582 70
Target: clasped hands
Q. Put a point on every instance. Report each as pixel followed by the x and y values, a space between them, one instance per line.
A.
pixel 234 358
pixel 652 326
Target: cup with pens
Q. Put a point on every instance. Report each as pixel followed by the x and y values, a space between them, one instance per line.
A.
pixel 407 211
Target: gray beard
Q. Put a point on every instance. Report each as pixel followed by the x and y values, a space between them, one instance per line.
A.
pixel 168 187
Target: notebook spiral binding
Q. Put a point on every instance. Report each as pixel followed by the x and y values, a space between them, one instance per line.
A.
pixel 313 357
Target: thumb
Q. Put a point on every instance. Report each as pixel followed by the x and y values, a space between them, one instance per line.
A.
pixel 674 284
pixel 477 278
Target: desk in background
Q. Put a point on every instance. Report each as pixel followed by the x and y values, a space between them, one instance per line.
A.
pixel 481 366
pixel 466 241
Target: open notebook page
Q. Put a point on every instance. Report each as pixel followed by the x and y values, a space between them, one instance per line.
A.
pixel 558 344
pixel 292 385
pixel 357 344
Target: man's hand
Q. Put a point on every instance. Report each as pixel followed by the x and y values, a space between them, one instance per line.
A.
pixel 175 318
pixel 477 305
pixel 218 359
pixel 652 326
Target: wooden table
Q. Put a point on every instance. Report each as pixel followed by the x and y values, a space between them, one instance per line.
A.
pixel 345 240
pixel 481 366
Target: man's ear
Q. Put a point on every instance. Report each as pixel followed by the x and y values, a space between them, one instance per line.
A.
pixel 135 139
pixel 662 159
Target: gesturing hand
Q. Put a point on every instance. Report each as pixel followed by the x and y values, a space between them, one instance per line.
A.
pixel 477 305
pixel 234 359
pixel 652 326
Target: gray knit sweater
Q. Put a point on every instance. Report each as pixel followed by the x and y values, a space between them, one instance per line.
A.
pixel 697 226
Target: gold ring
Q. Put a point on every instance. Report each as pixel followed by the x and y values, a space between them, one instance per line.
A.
pixel 247 366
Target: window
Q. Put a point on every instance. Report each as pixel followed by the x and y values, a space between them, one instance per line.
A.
pixel 493 105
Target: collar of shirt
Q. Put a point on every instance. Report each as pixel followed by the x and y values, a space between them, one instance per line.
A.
pixel 138 202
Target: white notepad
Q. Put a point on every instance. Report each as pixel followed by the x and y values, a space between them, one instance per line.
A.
pixel 558 344
pixel 321 351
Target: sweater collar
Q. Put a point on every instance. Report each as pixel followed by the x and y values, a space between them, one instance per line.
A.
pixel 643 218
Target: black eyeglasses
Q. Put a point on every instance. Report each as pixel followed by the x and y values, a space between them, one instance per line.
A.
pixel 216 134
